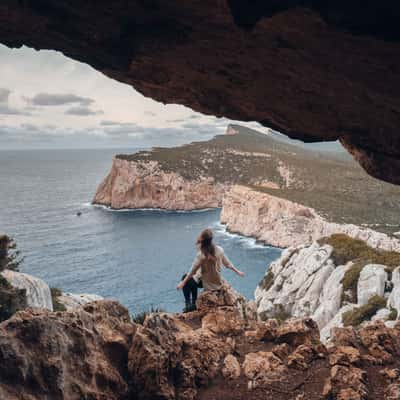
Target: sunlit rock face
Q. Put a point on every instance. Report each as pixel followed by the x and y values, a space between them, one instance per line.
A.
pixel 325 72
pixel 138 184
pixel 37 291
pixel 284 223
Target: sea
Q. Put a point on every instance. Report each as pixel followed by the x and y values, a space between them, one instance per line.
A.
pixel 134 256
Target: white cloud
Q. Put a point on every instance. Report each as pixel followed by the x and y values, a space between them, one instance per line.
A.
pixel 66 103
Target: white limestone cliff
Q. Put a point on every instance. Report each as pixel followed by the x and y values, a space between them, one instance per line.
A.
pixel 305 281
pixel 284 223
pixel 38 293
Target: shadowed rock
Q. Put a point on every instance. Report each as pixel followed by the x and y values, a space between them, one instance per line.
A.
pixel 313 70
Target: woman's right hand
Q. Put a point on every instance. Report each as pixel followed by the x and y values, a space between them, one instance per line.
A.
pixel 180 285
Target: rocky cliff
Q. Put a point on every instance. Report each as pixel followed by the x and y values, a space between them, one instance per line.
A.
pixel 144 184
pixel 336 281
pixel 286 194
pixel 283 223
pixel 97 352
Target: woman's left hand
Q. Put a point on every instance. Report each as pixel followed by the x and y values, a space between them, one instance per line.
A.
pixel 180 285
pixel 242 274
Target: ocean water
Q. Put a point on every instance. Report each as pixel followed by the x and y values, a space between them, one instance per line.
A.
pixel 136 257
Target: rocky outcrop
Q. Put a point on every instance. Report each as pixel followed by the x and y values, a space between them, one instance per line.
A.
pixel 283 223
pixel 37 292
pixel 294 66
pixel 143 184
pixel 309 281
pixel 69 355
pixel 71 300
pixel 96 352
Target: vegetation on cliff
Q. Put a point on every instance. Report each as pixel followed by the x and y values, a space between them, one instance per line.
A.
pixel 11 299
pixel 331 183
pixel 346 249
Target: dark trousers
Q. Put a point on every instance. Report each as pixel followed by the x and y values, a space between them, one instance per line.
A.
pixel 190 291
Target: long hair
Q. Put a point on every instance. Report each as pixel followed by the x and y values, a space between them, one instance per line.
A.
pixel 205 242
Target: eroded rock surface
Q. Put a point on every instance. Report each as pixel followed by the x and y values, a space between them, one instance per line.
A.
pixel 312 72
pixel 96 352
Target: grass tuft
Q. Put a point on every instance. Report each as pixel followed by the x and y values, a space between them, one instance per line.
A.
pixel 140 317
pixel 268 280
pixel 356 316
pixel 55 294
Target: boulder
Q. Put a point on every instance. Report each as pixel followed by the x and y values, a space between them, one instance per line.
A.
pixel 70 355
pixel 263 368
pixel 331 297
pixel 38 293
pixel 231 368
pixel 71 300
pixel 394 298
pixel 371 282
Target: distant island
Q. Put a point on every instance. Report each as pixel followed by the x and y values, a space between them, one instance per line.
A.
pixel 275 191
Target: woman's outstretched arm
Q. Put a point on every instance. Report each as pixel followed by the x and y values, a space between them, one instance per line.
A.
pixel 227 263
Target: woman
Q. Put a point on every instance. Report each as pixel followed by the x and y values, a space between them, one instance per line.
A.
pixel 209 259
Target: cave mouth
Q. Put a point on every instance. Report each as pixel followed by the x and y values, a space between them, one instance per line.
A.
pixel 313 71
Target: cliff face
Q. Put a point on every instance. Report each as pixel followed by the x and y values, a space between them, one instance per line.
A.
pixel 283 223
pixel 339 281
pixel 143 184
pixel 292 65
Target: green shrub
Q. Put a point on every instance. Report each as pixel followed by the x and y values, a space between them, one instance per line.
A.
pixel 55 294
pixel 141 316
pixel 268 280
pixel 279 313
pixel 11 299
pixel 347 249
pixel 359 314
pixel 393 314
pixel 9 254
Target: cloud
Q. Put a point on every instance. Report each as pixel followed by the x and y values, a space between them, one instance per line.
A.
pixel 82 111
pixel 5 108
pixel 150 113
pixel 59 99
pixel 4 94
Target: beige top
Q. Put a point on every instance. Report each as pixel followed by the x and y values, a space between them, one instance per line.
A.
pixel 211 269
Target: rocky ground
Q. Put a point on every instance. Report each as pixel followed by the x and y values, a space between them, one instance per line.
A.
pixel 219 351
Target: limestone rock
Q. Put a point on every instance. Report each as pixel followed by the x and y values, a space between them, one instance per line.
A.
pixel 371 282
pixel 38 293
pixel 231 368
pixel 146 185
pixel 284 223
pixel 330 297
pixel 394 298
pixel 71 300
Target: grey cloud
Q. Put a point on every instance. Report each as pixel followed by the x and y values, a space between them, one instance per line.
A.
pixel 5 108
pixel 151 113
pixel 59 99
pixel 116 123
pixel 4 94
pixel 82 111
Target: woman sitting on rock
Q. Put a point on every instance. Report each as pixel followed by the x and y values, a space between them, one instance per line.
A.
pixel 209 259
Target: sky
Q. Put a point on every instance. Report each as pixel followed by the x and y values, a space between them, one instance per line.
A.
pixel 50 101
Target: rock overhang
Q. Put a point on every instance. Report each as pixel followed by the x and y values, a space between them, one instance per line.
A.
pixel 313 70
